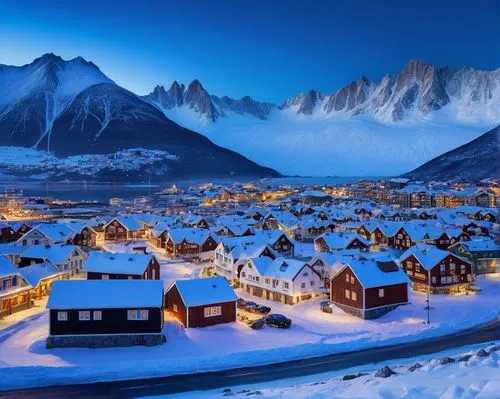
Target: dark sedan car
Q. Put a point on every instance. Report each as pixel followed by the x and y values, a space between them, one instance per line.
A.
pixel 278 320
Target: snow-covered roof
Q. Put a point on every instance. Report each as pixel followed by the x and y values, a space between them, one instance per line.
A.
pixel 106 294
pixel 128 221
pixel 56 232
pixel 56 253
pixel 194 235
pixel 481 245
pixel 370 274
pixel 11 249
pixel 281 268
pixel 428 255
pixel 39 271
pixel 6 267
pixel 341 240
pixel 205 291
pixel 119 263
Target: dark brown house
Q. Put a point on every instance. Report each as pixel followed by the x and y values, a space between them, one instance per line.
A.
pixel 369 289
pixel 121 266
pixel 201 302
pixel 189 243
pixel 436 270
pixel 7 233
pixel 101 313
pixel 87 237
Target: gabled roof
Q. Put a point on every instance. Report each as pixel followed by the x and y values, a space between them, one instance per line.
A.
pixel 370 274
pixel 194 235
pixel 341 240
pixel 6 267
pixel 56 232
pixel 56 253
pixel 106 294
pixel 33 274
pixel 428 255
pixel 481 245
pixel 205 291
pixel 128 221
pixel 281 268
pixel 119 263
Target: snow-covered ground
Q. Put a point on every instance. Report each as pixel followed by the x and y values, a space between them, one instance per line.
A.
pixel 20 159
pixel 479 378
pixel 333 145
pixel 24 360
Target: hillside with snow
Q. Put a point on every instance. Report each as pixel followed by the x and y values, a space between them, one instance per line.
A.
pixel 67 112
pixel 366 128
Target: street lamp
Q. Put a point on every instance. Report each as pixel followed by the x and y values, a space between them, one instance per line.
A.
pixel 428 296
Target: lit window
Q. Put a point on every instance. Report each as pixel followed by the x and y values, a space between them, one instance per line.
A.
pixel 347 294
pixel 354 296
pixel 97 315
pixel 84 315
pixel 105 276
pixel 62 316
pixel 352 280
pixel 175 308
pixel 137 315
pixel 213 311
pixel 381 292
pixel 347 277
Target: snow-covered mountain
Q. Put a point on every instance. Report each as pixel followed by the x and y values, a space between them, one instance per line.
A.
pixel 71 108
pixel 196 100
pixel 476 160
pixel 34 95
pixel 365 128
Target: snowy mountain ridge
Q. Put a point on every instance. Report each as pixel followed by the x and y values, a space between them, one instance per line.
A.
pixel 364 129
pixel 416 91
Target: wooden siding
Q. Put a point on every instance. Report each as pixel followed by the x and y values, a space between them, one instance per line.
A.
pixel 114 321
pixel 338 285
pixel 418 274
pixel 393 294
pixel 197 314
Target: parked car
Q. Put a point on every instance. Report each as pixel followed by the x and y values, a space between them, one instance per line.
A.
pixel 241 303
pixel 278 320
pixel 326 306
pixel 256 324
pixel 251 306
pixel 261 310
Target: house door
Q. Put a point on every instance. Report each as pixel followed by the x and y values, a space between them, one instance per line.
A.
pixel 6 305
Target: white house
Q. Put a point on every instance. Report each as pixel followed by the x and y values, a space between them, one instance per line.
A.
pixel 67 258
pixel 282 279
pixel 232 253
pixel 47 234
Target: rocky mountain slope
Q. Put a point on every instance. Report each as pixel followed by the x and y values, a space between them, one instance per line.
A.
pixel 366 128
pixel 476 160
pixel 70 108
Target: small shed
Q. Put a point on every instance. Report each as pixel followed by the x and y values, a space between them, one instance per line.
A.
pixel 202 302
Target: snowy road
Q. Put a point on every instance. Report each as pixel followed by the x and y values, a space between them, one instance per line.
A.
pixel 258 374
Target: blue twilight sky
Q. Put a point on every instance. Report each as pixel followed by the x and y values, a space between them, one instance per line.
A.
pixel 268 49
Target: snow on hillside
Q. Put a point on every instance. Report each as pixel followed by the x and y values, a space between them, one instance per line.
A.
pixel 327 144
pixel 26 160
pixel 478 377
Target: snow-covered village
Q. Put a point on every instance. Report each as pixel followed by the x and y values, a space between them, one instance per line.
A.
pixel 277 199
pixel 216 276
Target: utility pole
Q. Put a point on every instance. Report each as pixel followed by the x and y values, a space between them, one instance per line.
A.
pixel 428 296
